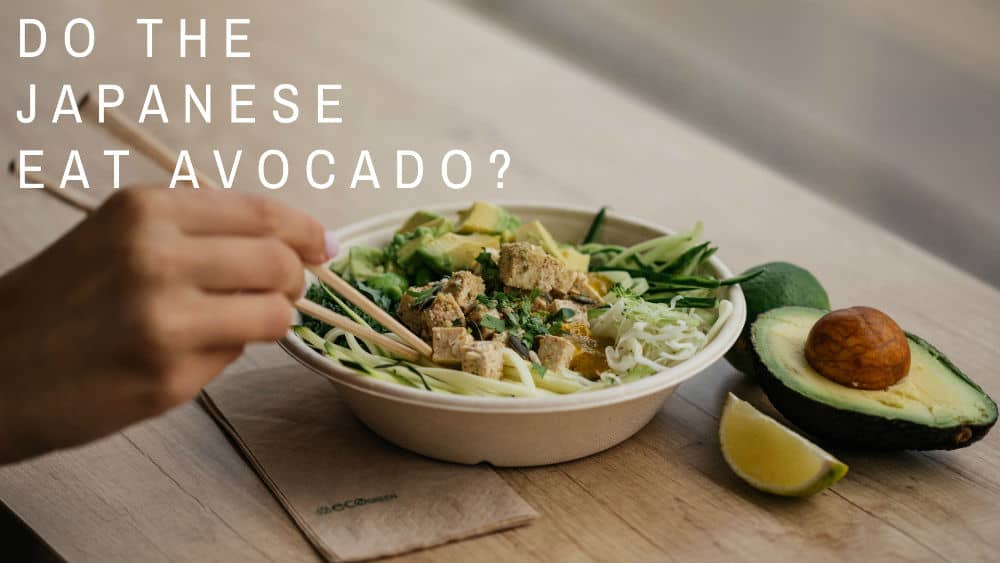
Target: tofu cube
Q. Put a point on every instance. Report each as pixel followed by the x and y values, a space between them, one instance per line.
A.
pixel 484 359
pixel 562 278
pixel 447 343
pixel 581 286
pixel 444 312
pixel 464 286
pixel 527 266
pixel 409 312
pixel 555 352
pixel 519 264
pixel 541 305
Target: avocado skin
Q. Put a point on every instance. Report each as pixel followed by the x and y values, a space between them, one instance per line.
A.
pixel 857 430
pixel 781 284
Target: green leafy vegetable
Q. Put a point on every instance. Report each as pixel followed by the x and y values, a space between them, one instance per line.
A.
pixel 322 295
pixel 376 295
pixel 494 323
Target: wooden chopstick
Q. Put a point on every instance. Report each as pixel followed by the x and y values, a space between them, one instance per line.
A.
pixel 339 285
pixel 320 312
pixel 159 153
pixel 131 135
pixel 304 306
pixel 143 142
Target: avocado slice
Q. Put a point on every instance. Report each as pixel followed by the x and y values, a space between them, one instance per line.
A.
pixel 935 406
pixel 418 218
pixel 574 259
pixel 389 283
pixel 451 252
pixel 437 223
pixel 488 219
pixel 407 256
pixel 536 233
pixel 364 262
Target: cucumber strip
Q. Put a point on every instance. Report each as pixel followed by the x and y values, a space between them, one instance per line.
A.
pixel 660 249
pixel 309 337
pixel 520 366
pixel 595 226
pixel 465 381
pixel 686 263
pixel 639 286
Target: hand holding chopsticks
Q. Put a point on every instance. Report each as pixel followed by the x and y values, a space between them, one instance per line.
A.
pixel 411 348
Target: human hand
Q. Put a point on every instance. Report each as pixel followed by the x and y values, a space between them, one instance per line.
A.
pixel 139 306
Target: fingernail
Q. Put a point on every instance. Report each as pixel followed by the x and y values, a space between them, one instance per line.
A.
pixel 332 245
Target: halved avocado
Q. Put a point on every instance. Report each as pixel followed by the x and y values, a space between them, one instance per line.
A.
pixel 935 407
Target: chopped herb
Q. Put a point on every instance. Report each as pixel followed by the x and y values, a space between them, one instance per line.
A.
pixel 494 323
pixel 539 369
pixel 487 301
pixel 489 271
pixel 562 315
pixel 424 298
pixel 519 319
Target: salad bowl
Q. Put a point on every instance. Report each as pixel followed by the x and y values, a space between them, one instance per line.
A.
pixel 516 432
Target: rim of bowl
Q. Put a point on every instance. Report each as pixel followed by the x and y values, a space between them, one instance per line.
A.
pixel 672 377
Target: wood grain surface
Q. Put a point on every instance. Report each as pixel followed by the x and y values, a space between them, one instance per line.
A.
pixel 430 77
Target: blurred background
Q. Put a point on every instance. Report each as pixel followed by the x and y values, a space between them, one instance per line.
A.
pixel 888 107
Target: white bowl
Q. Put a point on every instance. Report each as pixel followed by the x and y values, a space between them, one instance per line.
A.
pixel 515 431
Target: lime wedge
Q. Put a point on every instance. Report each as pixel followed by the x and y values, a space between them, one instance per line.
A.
pixel 771 457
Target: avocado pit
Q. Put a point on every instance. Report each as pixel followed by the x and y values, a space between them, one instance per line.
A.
pixel 858 347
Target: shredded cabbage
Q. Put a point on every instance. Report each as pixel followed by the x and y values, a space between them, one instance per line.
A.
pixel 651 337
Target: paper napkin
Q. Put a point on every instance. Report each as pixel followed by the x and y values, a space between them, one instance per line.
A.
pixel 353 495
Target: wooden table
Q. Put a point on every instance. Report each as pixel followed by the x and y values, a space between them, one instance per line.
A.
pixel 431 77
